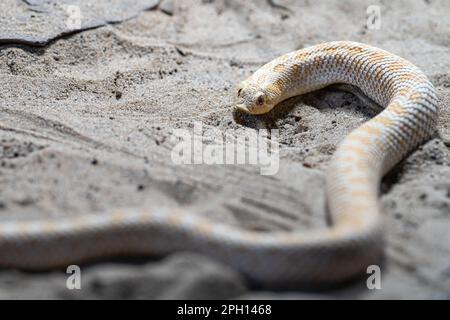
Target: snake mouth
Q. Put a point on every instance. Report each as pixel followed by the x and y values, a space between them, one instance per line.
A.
pixel 241 107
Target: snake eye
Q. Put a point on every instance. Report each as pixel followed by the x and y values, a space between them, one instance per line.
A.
pixel 239 92
pixel 260 100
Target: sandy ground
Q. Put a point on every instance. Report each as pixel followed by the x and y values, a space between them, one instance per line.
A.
pixel 86 125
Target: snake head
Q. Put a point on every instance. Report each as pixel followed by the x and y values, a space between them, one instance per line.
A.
pixel 252 100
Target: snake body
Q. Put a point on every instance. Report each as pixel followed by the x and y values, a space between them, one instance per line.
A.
pixel 354 239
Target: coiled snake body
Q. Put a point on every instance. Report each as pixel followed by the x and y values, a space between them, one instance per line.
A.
pixel 354 239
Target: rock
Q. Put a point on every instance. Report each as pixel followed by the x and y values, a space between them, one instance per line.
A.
pixel 36 22
pixel 167 7
pixel 180 276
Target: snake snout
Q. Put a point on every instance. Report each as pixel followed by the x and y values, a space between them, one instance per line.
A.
pixel 241 107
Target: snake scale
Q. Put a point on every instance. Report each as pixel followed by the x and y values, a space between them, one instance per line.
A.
pixel 339 252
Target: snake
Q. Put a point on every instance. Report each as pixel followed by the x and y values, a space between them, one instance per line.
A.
pixel 353 238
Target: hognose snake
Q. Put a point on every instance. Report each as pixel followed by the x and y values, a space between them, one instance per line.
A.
pixel 354 239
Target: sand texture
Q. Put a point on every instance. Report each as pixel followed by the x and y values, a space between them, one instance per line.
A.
pixel 87 120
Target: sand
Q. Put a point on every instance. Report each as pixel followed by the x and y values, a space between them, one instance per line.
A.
pixel 87 120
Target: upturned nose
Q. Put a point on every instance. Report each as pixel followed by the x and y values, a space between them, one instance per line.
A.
pixel 241 107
